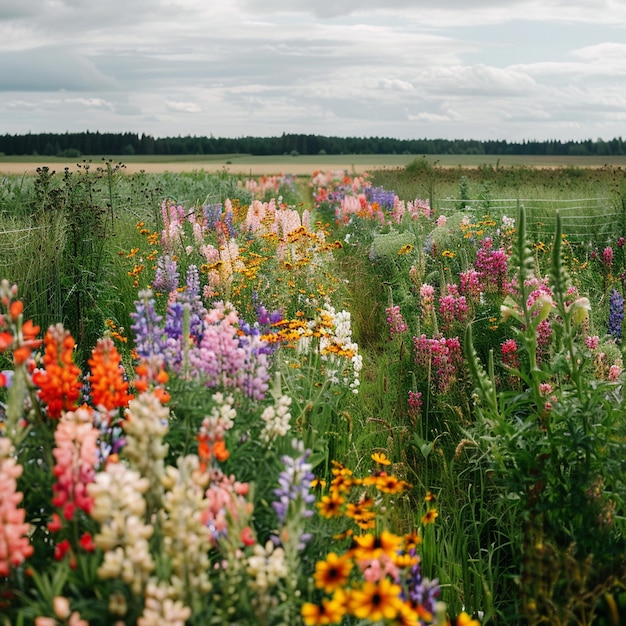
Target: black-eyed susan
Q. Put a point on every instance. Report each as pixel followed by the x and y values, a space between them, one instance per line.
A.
pixel 333 573
pixel 390 484
pixel 331 505
pixel 430 497
pixel 430 516
pixel 407 616
pixel 380 458
pixel 463 619
pixel 318 483
pixel 369 546
pixel 314 614
pixel 362 513
pixel 376 601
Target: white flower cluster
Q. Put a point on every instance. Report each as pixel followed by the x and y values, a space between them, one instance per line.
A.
pixel 277 420
pixel 221 418
pixel 186 538
pixel 144 428
pixel 337 346
pixel 161 607
pixel 119 507
pixel 266 568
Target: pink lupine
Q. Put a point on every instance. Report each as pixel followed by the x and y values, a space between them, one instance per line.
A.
pixel 396 322
pixel 14 543
pixel 427 301
pixel 510 356
pixel 470 284
pixel 492 265
pixel 76 455
pixel 442 355
pixel 607 257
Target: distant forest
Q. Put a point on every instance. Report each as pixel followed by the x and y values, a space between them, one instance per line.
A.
pixel 72 145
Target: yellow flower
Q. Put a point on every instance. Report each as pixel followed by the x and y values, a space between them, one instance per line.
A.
pixel 448 254
pixel 406 249
pixel 330 506
pixel 380 458
pixel 371 547
pixel 332 573
pixel 463 619
pixel 430 516
pixel 376 601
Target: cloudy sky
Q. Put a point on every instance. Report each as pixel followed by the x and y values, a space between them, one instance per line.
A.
pixel 471 69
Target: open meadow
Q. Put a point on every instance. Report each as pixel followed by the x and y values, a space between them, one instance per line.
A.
pixel 312 390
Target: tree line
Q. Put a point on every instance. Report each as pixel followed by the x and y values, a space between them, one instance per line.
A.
pixel 124 144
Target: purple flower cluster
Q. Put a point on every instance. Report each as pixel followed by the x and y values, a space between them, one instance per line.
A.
pixel 217 353
pixel 422 591
pixel 616 314
pixel 166 276
pixel 149 338
pixel 383 198
pixel 293 494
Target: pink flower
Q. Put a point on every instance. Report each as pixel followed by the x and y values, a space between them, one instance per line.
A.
pixel 607 256
pixel 592 342
pixel 76 455
pixel 396 322
pixel 14 544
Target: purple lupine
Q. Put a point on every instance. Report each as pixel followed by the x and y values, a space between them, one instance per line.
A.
pixel 616 314
pixel 385 199
pixel 166 276
pixel 149 337
pixel 422 591
pixel 293 495
pixel 212 215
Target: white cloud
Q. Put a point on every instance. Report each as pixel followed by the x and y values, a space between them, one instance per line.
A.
pixel 464 68
pixel 183 107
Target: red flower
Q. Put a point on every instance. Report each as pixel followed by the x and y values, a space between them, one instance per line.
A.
pixel 86 543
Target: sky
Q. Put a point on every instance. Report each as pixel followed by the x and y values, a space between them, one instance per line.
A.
pixel 510 70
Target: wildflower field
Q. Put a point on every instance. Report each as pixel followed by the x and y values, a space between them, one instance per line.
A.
pixel 393 398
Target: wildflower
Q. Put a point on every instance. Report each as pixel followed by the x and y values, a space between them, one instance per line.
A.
pixel 370 547
pixel 59 382
pixel 294 491
pixel 607 257
pixel 330 506
pixel 329 612
pixel 429 517
pixel 592 342
pixel 14 543
pixel 463 619
pixel 332 573
pixel 390 484
pixel 76 457
pixel 119 507
pixel 380 458
pixel 509 353
pixel 376 601
pixel 396 322
pixel 108 387
pixel 415 403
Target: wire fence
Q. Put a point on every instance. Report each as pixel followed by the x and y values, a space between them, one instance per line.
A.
pixel 597 219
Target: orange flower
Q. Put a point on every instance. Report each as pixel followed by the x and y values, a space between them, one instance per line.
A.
pixel 108 387
pixel 59 382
